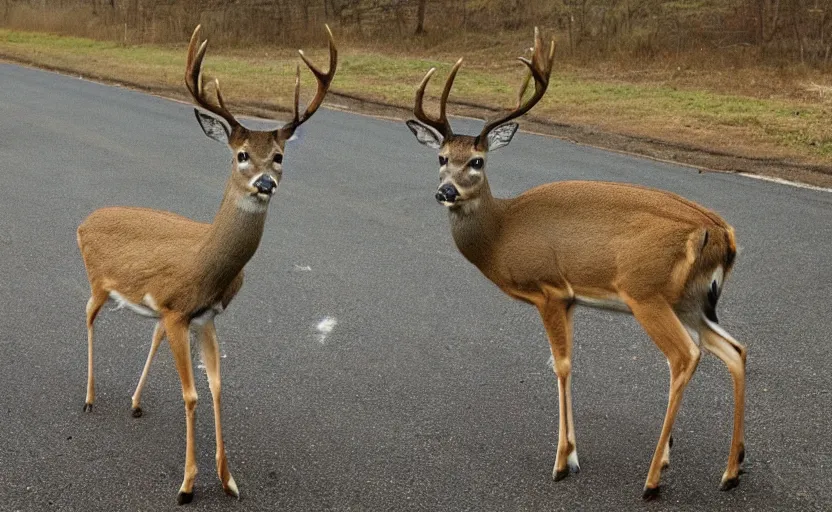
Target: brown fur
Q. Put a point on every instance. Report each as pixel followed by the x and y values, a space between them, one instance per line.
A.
pixel 187 268
pixel 652 252
pixel 625 247
pixel 601 238
pixel 182 271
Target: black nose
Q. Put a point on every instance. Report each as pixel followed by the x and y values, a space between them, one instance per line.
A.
pixel 265 184
pixel 447 193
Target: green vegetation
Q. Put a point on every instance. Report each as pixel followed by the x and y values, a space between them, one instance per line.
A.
pixel 780 127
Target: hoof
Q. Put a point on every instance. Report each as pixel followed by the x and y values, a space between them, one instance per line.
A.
pixel 650 493
pixel 184 498
pixel 572 462
pixel 729 484
pixel 560 475
pixel 137 412
pixel 87 407
pixel 231 488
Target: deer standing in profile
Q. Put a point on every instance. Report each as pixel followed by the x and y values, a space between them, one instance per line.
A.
pixel 184 272
pixel 622 247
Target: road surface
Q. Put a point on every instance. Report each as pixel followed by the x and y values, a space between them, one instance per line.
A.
pixel 432 390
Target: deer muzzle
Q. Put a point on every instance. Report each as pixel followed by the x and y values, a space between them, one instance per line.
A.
pixel 265 184
pixel 447 194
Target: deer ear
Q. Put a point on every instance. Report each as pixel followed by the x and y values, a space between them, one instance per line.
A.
pixel 501 135
pixel 425 134
pixel 287 133
pixel 213 127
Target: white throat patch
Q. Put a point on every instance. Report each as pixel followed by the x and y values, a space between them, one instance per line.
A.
pixel 252 204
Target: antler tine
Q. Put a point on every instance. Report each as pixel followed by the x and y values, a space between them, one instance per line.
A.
pixel 443 101
pixel 324 81
pixel 524 85
pixel 419 110
pixel 194 80
pixel 297 94
pixel 440 124
pixel 540 69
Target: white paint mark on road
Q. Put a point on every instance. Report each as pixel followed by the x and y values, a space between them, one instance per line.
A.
pixel 325 327
pixel 781 181
pixel 302 268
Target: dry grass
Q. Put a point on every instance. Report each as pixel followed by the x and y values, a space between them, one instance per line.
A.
pixel 752 111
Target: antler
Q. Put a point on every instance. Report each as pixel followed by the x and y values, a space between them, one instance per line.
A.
pixel 324 80
pixel 193 80
pixel 540 68
pixel 440 124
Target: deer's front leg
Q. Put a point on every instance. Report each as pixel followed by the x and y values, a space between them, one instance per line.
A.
pixel 211 358
pixel 97 299
pixel 177 331
pixel 557 318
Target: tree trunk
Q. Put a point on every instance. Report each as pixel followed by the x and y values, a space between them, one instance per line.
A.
pixel 420 17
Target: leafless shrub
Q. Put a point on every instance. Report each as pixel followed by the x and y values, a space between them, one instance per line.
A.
pixel 776 30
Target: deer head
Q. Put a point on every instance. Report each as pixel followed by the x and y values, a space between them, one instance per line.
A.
pixel 462 158
pixel 257 164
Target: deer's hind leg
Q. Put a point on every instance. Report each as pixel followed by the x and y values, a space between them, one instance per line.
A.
pixel 97 299
pixel 557 318
pixel 158 336
pixel 660 322
pixel 718 342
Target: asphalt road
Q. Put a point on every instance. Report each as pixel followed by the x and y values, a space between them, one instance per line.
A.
pixel 432 392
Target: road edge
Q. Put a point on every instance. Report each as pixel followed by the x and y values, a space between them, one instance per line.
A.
pixel 778 170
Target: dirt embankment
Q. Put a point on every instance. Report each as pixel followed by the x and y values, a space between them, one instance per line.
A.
pixel 706 159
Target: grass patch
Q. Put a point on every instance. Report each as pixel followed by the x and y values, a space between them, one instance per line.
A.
pixel 681 112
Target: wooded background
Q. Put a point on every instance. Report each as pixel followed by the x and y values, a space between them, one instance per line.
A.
pixel 789 31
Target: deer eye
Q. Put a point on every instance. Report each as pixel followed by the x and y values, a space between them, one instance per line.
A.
pixel 443 160
pixel 476 164
pixel 278 158
pixel 242 157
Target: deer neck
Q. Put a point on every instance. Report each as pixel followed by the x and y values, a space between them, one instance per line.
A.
pixel 232 238
pixel 475 226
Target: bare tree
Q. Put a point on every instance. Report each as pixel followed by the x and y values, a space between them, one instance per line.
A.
pixel 768 20
pixel 420 17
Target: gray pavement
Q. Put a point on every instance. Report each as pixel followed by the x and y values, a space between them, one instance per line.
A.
pixel 432 392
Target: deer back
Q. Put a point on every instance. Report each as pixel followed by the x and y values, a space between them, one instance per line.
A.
pixel 595 238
